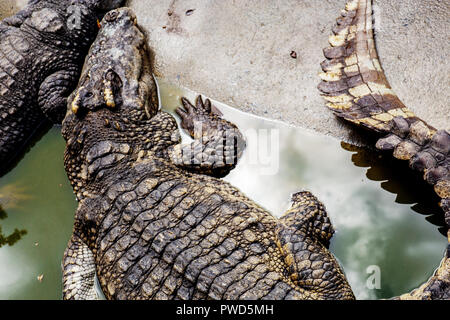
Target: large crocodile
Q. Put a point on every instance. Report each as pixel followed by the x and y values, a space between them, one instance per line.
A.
pixel 154 220
pixel 42 49
pixel 357 90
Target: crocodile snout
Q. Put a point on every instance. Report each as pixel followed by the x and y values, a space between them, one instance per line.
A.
pixel 120 17
pixel 104 93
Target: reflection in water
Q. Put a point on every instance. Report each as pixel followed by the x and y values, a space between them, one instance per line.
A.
pixel 13 237
pixel 10 197
pixel 40 132
pixel 397 178
pixel 47 217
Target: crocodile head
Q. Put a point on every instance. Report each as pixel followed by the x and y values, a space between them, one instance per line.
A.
pixel 116 89
pixel 117 74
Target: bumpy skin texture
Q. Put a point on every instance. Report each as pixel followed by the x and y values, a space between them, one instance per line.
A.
pixel 356 88
pixel 154 220
pixel 42 49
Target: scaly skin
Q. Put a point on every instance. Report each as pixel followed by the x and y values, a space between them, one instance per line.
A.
pixel 356 88
pixel 42 49
pixel 154 221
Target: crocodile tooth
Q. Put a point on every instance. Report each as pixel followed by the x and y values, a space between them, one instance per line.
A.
pixel 75 108
pixel 109 97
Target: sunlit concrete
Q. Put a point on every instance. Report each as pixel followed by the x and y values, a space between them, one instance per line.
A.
pixel 239 52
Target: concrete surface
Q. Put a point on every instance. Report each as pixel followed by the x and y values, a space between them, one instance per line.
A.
pixel 239 52
pixel 7 8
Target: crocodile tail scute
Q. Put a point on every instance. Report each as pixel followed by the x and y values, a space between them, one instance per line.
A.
pixel 356 88
pixel 353 81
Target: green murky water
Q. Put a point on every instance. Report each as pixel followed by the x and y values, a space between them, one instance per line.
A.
pixel 36 197
pixel 373 209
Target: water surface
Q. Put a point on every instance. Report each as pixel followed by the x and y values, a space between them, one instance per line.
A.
pixel 37 198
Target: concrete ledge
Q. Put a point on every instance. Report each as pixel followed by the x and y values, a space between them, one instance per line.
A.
pixel 239 52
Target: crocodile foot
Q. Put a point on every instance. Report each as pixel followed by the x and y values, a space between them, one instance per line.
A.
pixel 203 113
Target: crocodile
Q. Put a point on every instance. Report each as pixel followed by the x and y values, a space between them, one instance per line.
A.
pixel 155 220
pixel 357 90
pixel 42 49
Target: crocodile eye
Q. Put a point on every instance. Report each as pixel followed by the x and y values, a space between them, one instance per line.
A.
pixel 89 95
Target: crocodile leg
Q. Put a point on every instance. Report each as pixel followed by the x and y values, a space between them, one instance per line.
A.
pixel 78 271
pixel 53 93
pixel 217 145
pixel 304 236
pixel 309 215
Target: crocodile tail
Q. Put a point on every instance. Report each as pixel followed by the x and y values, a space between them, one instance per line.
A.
pixel 356 88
